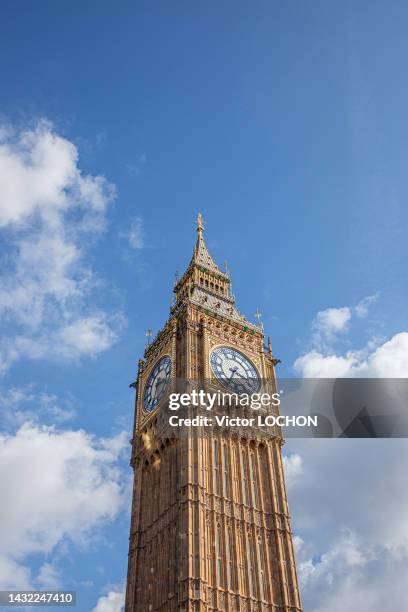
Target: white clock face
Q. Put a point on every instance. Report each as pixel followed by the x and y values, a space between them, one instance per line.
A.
pixel 156 384
pixel 234 370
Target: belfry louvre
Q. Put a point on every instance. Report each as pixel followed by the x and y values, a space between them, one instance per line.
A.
pixel 210 527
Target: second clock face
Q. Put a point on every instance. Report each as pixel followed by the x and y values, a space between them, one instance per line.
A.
pixel 156 384
pixel 234 370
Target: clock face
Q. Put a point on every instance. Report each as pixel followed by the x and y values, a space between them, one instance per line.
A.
pixel 234 370
pixel 156 384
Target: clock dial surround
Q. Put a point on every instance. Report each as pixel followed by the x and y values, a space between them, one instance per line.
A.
pixel 156 384
pixel 234 370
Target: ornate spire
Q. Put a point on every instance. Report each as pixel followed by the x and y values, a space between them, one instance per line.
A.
pixel 207 286
pixel 201 255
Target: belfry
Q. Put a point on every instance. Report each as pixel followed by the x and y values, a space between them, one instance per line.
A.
pixel 210 527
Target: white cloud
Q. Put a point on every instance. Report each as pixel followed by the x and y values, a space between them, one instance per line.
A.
pixel 293 465
pixel 48 577
pixel 379 358
pixel 332 321
pixel 49 213
pixel 114 601
pixel 89 336
pixel 330 324
pixel 345 556
pixel 389 360
pixel 350 503
pixel 39 173
pixel 13 575
pixel 355 575
pixel 316 365
pixel 83 489
pixel 351 530
pixel 136 234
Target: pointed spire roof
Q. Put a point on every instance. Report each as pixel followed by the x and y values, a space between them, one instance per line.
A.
pixel 205 295
pixel 201 256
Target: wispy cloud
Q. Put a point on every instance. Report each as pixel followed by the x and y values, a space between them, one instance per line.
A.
pixel 48 577
pixel 134 168
pixel 362 307
pixel 136 234
pixel 19 405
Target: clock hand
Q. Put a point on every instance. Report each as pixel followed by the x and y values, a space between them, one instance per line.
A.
pixel 159 384
pixel 233 370
pixel 156 382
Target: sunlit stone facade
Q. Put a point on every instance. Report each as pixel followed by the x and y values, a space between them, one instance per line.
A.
pixel 210 527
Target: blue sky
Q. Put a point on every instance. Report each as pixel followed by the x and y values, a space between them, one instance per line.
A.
pixel 283 123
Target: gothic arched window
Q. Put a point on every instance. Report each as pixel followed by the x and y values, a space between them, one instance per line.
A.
pixel 215 468
pixel 226 472
pixel 250 557
pixel 253 478
pixel 261 570
pixel 229 560
pixel 218 551
pixel 244 477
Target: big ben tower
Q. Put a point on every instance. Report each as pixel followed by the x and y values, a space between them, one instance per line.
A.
pixel 210 528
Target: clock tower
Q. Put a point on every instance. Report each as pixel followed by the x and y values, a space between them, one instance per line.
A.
pixel 210 527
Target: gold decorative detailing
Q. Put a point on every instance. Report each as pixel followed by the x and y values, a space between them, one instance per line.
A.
pixel 200 223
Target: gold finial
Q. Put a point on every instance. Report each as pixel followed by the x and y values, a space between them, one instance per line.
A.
pixel 200 223
pixel 148 335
